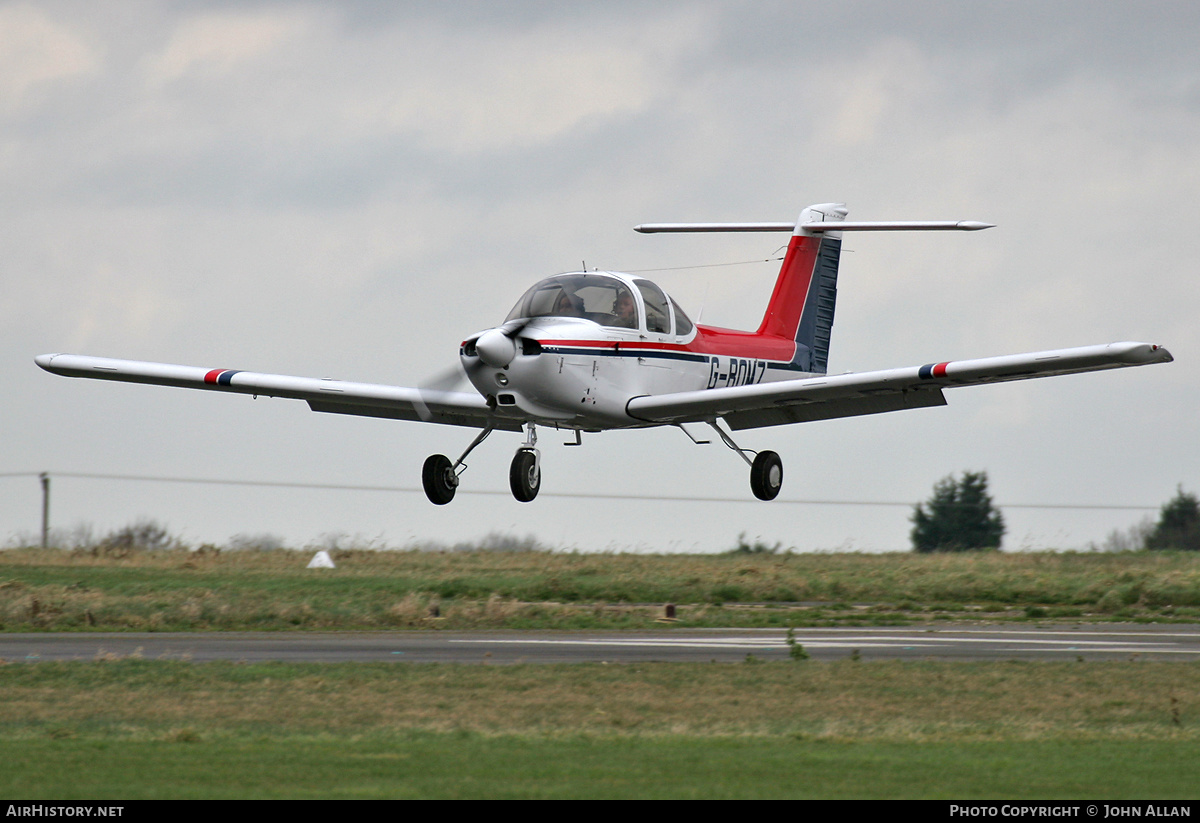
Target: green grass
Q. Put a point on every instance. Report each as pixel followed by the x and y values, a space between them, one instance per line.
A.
pixel 845 700
pixel 132 729
pixel 423 765
pixel 179 590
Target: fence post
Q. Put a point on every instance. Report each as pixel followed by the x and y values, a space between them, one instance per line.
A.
pixel 45 478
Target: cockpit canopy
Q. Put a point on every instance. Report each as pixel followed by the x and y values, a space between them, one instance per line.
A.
pixel 605 299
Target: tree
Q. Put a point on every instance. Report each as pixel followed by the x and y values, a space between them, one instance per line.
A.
pixel 1178 524
pixel 960 517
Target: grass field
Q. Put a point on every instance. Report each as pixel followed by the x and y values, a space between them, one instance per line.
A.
pixel 465 766
pixel 130 728
pixel 134 728
pixel 213 590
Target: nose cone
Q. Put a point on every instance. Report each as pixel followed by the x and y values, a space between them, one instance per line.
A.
pixel 496 348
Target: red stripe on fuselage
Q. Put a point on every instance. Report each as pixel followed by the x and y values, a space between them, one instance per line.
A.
pixel 730 343
pixel 708 340
pixel 940 369
pixel 212 376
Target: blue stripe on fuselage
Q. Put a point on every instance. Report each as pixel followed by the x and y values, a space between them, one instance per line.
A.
pixel 778 365
pixel 628 352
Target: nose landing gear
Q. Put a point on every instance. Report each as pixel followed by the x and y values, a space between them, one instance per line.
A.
pixel 525 474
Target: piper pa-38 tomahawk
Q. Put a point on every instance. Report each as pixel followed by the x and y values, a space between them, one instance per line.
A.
pixel 593 350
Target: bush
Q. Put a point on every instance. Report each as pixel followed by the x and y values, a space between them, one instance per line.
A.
pixel 960 517
pixel 262 542
pixel 1178 524
pixel 757 547
pixel 142 536
pixel 1133 539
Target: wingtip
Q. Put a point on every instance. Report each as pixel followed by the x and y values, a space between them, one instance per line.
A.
pixel 44 360
pixel 1143 353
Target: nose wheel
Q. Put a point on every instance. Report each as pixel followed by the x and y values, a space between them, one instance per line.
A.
pixel 525 475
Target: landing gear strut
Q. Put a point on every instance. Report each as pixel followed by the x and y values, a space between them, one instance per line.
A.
pixel 440 477
pixel 766 470
pixel 525 474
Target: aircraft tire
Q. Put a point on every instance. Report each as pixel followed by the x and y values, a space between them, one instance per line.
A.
pixel 766 475
pixel 438 478
pixel 524 477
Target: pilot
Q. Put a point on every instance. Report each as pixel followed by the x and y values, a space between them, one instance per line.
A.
pixel 625 310
pixel 568 306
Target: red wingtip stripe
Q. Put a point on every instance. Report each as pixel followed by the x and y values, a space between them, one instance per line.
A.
pixel 211 377
pixel 940 369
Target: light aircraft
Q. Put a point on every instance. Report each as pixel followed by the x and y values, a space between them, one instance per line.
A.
pixel 595 350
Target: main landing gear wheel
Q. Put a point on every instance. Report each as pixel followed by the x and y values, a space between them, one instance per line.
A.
pixel 766 475
pixel 439 479
pixel 524 476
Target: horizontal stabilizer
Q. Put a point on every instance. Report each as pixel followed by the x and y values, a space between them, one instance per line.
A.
pixel 655 228
pixel 815 228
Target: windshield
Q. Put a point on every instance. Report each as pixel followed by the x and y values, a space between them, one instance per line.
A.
pixel 596 297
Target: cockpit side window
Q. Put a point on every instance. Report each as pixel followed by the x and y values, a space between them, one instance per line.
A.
pixel 658 316
pixel 683 326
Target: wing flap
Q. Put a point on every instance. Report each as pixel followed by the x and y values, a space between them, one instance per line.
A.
pixel 848 395
pixel 808 411
pixel 437 414
pixel 321 394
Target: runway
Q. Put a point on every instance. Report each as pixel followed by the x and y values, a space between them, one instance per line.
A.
pixel 935 642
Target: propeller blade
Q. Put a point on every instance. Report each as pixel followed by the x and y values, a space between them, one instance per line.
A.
pixel 514 327
pixel 443 381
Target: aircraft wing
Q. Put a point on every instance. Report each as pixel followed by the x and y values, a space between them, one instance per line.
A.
pixel 321 394
pixel 848 395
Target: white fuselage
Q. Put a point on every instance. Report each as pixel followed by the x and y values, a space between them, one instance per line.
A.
pixel 584 374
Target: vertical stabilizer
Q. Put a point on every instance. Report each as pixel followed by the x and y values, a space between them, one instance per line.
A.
pixel 802 304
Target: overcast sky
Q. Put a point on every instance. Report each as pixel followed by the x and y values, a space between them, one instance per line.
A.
pixel 348 189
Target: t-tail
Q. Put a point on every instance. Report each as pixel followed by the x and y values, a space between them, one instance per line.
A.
pixel 802 305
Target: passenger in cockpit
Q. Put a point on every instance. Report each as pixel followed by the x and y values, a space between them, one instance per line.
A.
pixel 624 311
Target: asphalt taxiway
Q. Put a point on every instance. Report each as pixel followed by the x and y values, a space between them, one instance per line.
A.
pixel 997 642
